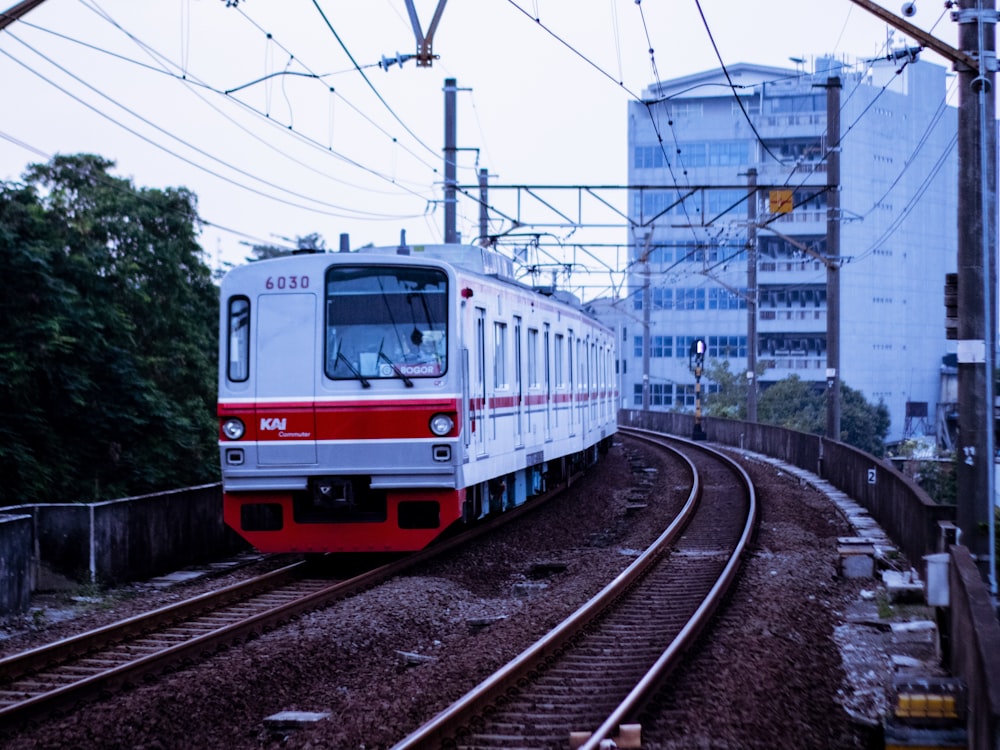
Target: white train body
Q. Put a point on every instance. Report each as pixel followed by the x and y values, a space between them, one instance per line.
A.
pixel 368 400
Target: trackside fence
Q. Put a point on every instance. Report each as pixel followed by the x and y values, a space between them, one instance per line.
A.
pixel 905 511
pixel 910 518
pixel 59 545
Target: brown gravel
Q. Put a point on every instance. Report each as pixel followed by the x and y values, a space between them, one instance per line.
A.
pixel 381 662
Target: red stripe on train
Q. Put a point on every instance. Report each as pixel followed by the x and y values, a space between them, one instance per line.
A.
pixel 363 420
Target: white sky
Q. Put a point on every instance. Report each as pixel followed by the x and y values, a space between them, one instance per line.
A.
pixel 284 157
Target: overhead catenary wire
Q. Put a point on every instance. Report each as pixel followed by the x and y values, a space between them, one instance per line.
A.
pixel 184 75
pixel 322 207
pixel 117 186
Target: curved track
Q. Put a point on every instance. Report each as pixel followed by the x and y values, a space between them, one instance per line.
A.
pixel 586 679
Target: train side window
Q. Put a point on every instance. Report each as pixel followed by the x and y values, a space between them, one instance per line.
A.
pixel 559 352
pixel 238 356
pixel 499 355
pixel 533 368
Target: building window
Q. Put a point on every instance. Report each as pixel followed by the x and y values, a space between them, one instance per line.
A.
pixel 661 346
pixel 679 109
pixel 796 104
pixel 723 299
pixel 727 347
pixel 648 157
pixel 728 154
pixel 685 395
pixel 660 394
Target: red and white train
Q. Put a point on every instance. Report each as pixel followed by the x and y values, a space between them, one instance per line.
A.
pixel 369 400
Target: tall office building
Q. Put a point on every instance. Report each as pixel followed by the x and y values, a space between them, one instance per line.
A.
pixel 694 143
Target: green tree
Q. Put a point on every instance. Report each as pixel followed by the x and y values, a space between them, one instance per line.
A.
pixel 799 405
pixel 862 424
pixel 729 397
pixel 793 403
pixel 313 243
pixel 107 338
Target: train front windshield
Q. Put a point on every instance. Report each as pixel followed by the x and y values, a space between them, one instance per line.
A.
pixel 386 322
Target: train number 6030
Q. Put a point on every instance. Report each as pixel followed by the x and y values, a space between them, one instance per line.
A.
pixel 287 282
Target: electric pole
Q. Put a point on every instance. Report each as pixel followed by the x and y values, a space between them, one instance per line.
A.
pixel 752 295
pixel 484 225
pixel 646 304
pixel 450 159
pixel 975 62
pixel 977 279
pixel 833 258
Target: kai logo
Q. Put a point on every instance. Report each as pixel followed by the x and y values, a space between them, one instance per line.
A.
pixel 272 424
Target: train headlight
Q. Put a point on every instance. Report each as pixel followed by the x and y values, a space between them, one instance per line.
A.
pixel 233 428
pixel 441 424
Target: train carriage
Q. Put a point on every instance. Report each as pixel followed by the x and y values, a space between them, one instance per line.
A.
pixel 369 400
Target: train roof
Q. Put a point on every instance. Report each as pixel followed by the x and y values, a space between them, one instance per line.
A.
pixel 476 259
pixel 469 257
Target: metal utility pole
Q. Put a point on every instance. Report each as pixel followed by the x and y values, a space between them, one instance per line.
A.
pixel 484 226
pixel 646 304
pixel 450 159
pixel 752 295
pixel 977 279
pixel 425 42
pixel 833 257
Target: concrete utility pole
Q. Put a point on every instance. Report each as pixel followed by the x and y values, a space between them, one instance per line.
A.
pixel 975 61
pixel 833 258
pixel 752 295
pixel 977 279
pixel 450 160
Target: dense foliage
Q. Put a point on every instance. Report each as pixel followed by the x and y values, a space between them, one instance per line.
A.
pixel 107 337
pixel 800 405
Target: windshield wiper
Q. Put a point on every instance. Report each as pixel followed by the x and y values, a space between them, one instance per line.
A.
pixel 382 356
pixel 341 358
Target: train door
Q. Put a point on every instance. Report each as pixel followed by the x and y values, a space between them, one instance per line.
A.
pixel 478 395
pixel 571 370
pixel 558 379
pixel 593 378
pixel 533 381
pixel 286 367
pixel 583 385
pixel 518 385
pixel 547 375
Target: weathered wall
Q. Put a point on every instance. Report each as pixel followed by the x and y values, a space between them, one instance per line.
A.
pixel 118 540
pixel 16 571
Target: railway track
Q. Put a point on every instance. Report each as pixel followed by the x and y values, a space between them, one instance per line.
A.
pixel 75 670
pixel 585 681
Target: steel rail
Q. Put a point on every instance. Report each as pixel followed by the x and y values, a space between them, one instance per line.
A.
pixel 630 706
pixel 55 662
pixel 442 727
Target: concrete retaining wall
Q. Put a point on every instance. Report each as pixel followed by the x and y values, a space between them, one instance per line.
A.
pixel 908 516
pixel 896 502
pixel 974 648
pixel 111 542
pixel 16 571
